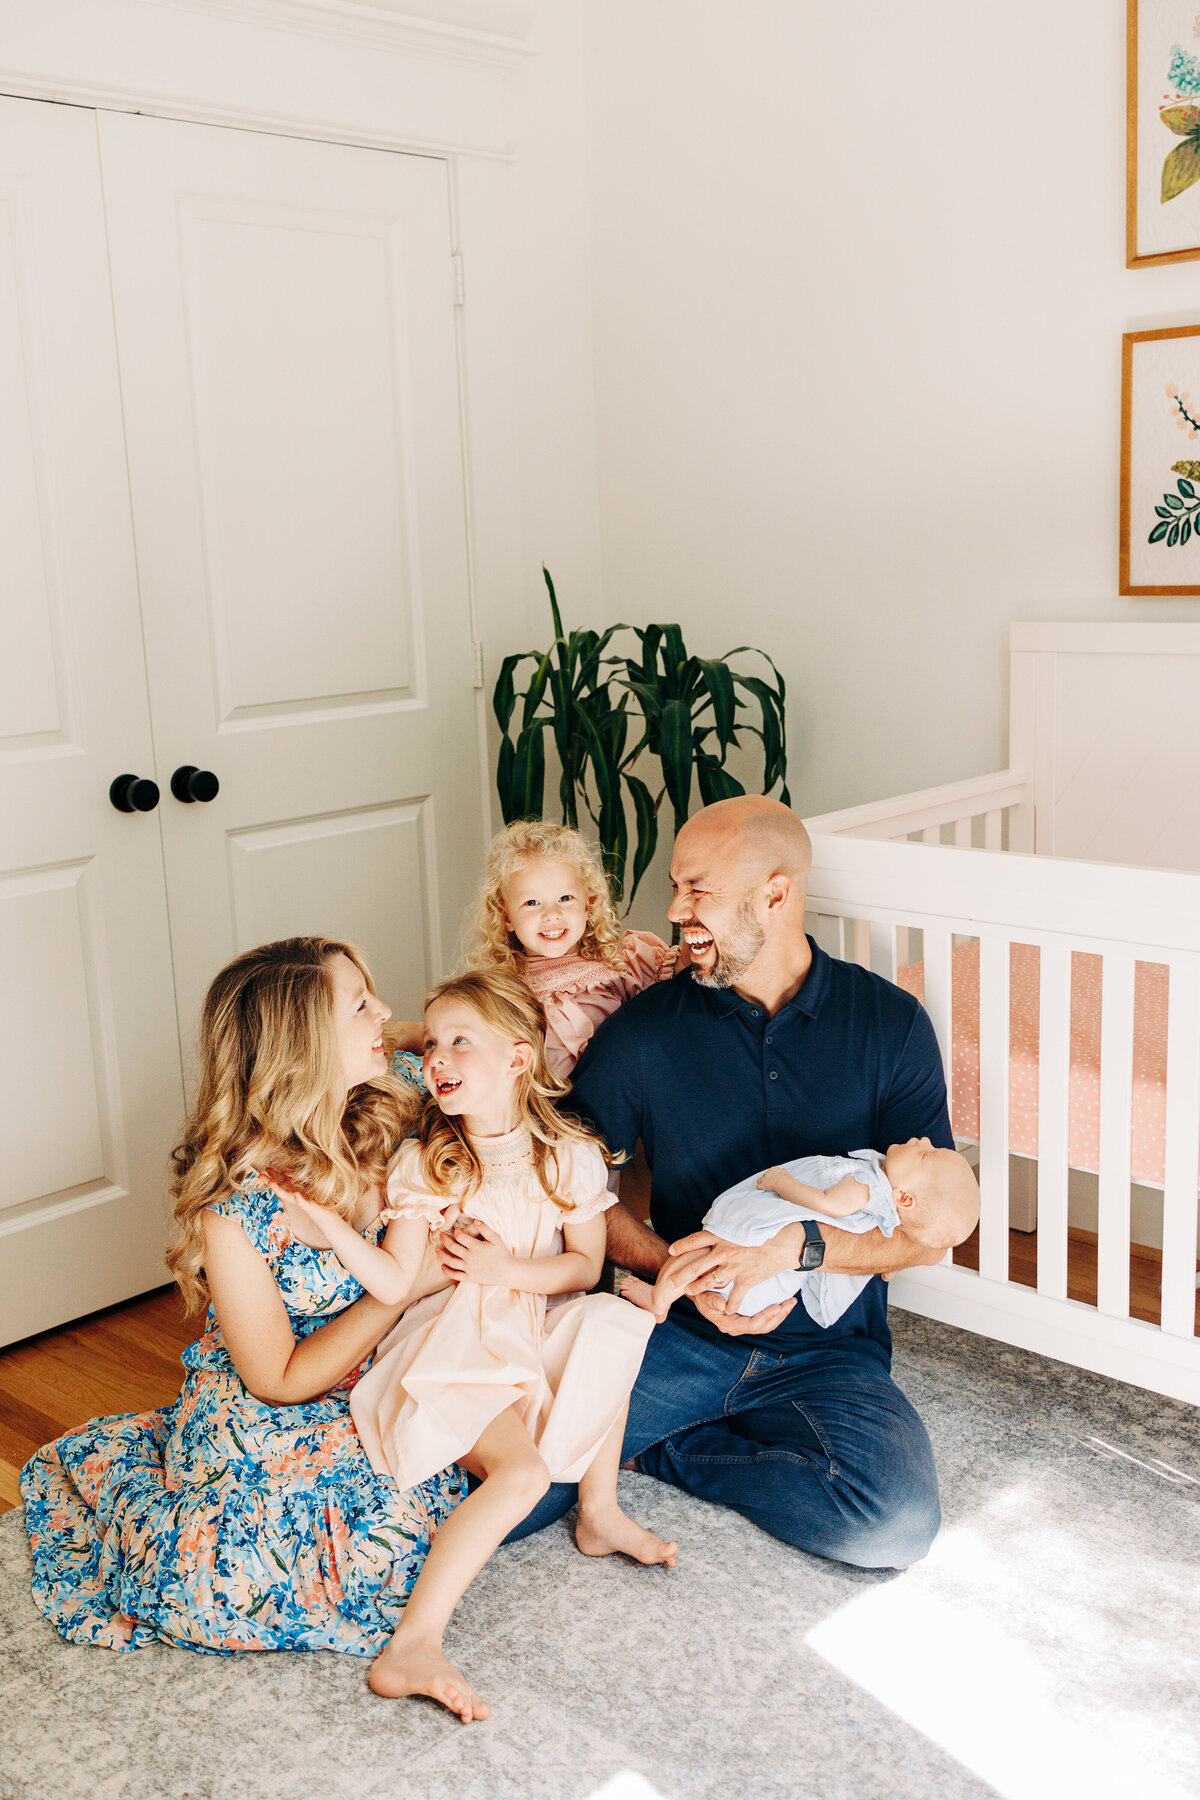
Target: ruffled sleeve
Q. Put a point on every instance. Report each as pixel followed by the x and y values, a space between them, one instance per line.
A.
pixel 407 1195
pixel 583 1180
pixel 648 959
pixel 408 1066
pixel 254 1205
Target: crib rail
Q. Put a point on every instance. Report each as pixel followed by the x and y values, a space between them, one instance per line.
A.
pixel 869 899
pixel 989 812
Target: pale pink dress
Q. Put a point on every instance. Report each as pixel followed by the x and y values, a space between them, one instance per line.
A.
pixel 577 994
pixel 459 1357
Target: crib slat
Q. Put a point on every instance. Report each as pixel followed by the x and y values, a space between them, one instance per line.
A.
pixel 991 829
pixel 1116 1101
pixel 937 995
pixel 1054 1092
pixel 962 833
pixel 993 1107
pixel 932 834
pixel 883 950
pixel 1183 1137
pixel 860 943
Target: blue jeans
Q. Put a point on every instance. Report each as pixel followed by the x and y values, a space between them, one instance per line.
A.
pixel 818 1446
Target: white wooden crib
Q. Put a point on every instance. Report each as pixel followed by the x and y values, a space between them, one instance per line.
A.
pixel 1085 854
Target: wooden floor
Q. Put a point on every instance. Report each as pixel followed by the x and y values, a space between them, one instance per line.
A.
pixel 127 1358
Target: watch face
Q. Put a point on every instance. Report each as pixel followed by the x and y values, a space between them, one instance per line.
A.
pixel 814 1248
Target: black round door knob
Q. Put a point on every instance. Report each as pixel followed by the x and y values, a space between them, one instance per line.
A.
pixel 189 783
pixel 133 793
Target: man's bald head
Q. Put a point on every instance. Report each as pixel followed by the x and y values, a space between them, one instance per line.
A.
pixel 763 834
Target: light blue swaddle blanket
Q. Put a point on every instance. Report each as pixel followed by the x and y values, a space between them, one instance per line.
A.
pixel 746 1214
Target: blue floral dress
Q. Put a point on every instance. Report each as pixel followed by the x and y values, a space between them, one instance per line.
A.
pixel 224 1524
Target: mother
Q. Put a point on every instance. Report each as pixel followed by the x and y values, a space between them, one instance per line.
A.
pixel 246 1516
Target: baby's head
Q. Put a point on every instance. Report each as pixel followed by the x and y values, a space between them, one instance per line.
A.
pixel 545 894
pixel 936 1193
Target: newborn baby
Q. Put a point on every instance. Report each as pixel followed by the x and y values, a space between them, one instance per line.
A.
pixel 929 1195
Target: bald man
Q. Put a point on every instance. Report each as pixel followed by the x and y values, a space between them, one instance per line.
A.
pixel 766 1049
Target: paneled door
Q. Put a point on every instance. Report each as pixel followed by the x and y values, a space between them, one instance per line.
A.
pixel 90 1088
pixel 285 319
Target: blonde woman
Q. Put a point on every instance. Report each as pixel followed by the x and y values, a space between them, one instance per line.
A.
pixel 247 1516
pixel 545 913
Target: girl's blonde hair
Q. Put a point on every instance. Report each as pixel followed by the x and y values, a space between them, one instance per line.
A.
pixel 272 1093
pixel 491 945
pixel 450 1164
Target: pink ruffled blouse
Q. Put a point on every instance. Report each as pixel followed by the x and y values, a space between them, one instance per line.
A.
pixel 577 994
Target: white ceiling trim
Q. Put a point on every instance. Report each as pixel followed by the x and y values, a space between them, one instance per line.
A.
pixel 438 31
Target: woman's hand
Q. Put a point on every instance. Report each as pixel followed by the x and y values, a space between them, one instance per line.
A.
pixel 474 1252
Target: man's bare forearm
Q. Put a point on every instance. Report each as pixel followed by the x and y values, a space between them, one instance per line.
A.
pixel 633 1244
pixel 869 1252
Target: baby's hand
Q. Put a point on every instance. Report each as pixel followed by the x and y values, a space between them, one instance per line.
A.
pixel 770 1179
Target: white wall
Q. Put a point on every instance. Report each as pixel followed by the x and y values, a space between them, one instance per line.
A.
pixel 858 291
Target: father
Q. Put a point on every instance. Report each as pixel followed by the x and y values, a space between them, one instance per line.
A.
pixel 764 1050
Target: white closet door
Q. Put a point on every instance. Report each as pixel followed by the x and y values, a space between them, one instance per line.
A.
pixel 285 319
pixel 90 1089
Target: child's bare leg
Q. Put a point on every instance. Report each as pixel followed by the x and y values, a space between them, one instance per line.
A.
pixel 601 1526
pixel 514 1480
pixel 657 1299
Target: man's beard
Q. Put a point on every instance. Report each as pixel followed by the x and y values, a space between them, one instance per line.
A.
pixel 738 950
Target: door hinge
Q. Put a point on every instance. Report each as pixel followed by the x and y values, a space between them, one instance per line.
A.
pixel 477 652
pixel 456 263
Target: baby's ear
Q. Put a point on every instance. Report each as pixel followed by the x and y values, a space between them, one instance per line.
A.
pixel 902 1199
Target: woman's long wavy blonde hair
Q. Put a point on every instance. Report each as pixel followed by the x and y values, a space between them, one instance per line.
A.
pixel 272 1093
pixel 490 944
pixel 449 1163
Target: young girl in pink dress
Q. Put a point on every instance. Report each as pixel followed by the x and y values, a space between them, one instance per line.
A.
pixel 545 913
pixel 512 1372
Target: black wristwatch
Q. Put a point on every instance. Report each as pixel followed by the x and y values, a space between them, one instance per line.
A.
pixel 813 1254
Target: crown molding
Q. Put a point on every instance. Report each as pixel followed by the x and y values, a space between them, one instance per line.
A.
pixel 25 85
pixel 441 31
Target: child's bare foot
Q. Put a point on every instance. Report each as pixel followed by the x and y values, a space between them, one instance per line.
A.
pixel 420 1668
pixel 601 1532
pixel 641 1293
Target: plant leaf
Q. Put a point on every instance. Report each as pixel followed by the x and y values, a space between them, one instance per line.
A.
pixel 1173 536
pixel 774 750
pixel 716 783
pixel 554 612
pixel 675 750
pixel 1174 502
pixel 1185 487
pixel 1184 121
pixel 1162 512
pixel 504 697
pixel 1186 533
pixel 529 772
pixel 646 816
pixel 1181 169
pixel 675 658
pixel 718 681
pixel 1160 531
pixel 535 690
pixel 504 778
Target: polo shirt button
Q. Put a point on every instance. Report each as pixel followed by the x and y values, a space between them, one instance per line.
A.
pixel 770 1040
pixel 754 1012
pixel 774 1074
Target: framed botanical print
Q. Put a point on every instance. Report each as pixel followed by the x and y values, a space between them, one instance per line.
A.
pixel 1162 144
pixel 1160 461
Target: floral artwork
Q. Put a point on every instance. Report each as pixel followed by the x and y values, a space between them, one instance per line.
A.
pixel 1160 462
pixel 1163 125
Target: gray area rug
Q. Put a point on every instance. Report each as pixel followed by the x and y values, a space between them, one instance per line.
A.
pixel 1048 1646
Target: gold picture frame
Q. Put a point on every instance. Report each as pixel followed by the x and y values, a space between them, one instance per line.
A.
pixel 1162 132
pixel 1160 489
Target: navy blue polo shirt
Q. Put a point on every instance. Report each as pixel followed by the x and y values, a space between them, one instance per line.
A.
pixel 715 1088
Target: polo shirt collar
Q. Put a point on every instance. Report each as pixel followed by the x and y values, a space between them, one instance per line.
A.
pixel 808 1000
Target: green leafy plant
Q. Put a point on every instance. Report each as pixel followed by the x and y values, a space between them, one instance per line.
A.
pixel 682 713
pixel 1177 516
